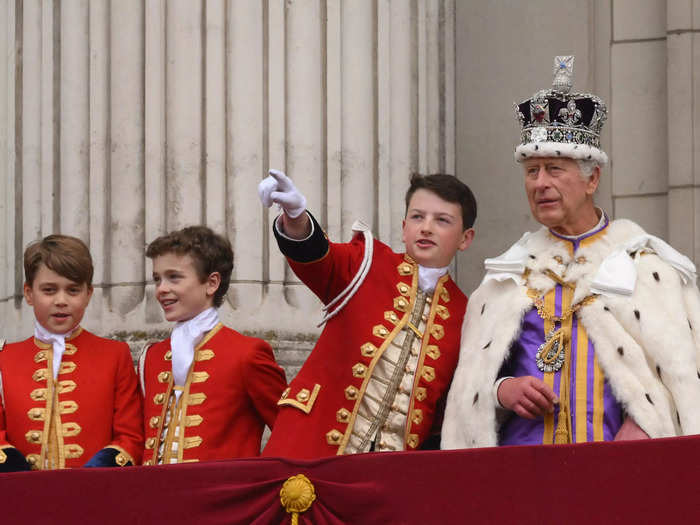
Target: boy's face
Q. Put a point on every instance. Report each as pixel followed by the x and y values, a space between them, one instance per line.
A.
pixel 432 230
pixel 58 302
pixel 179 289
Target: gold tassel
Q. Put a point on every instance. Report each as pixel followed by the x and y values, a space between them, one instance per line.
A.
pixel 561 434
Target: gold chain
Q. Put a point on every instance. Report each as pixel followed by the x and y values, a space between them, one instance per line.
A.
pixel 566 314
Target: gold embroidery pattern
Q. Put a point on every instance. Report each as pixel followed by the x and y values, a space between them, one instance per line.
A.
pixel 67 407
pixel 391 316
pixel 433 352
pixel 351 393
pixel 417 417
pixel 428 373
pixel 333 437
pixel 304 406
pixel 66 386
pixel 204 355
pixel 368 350
pixel 342 415
pixel 437 331
pixel 380 331
pixel 359 370
pixel 401 304
pixel 67 367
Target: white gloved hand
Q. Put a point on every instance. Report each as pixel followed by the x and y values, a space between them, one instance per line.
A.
pixel 279 189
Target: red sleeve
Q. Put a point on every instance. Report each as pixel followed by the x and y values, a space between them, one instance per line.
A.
pixel 326 268
pixel 330 275
pixel 265 381
pixel 127 422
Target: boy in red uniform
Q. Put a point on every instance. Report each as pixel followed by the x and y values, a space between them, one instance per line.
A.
pixel 209 391
pixel 379 374
pixel 69 398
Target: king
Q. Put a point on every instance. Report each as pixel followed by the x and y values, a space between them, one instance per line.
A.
pixel 587 329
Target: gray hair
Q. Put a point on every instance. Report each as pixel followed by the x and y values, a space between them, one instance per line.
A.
pixel 587 167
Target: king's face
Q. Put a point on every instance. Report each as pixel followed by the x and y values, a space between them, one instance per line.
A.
pixel 560 196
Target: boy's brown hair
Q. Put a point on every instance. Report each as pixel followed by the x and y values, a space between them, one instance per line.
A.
pixel 449 188
pixel 210 253
pixel 67 256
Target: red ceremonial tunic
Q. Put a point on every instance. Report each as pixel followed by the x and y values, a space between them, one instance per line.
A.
pixel 318 410
pixel 93 403
pixel 230 395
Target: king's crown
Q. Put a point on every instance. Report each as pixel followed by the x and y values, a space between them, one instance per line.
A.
pixel 557 116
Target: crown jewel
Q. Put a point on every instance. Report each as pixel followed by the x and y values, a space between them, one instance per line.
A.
pixel 557 122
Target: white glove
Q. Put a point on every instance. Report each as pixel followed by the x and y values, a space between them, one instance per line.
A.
pixel 279 189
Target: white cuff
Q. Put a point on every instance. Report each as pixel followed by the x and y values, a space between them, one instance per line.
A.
pixel 496 386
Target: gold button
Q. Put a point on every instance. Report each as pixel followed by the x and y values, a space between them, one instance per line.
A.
pixel 404 269
pixel 368 350
pixel 445 295
pixel 359 370
pixel 391 316
pixel 333 437
pixel 437 331
pixel 400 304
pixel 351 393
pixel 433 351
pixel 303 395
pixel 158 399
pixel 35 436
pixel 154 422
pixel 342 415
pixel 168 355
pixel 380 331
pixel 150 442
pixel 32 459
pixel 442 311
pixel 417 416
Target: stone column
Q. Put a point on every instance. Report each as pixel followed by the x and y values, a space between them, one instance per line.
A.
pixel 683 49
pixel 639 124
pixel 121 120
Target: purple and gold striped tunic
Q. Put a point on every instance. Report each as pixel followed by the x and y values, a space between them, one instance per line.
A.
pixel 595 413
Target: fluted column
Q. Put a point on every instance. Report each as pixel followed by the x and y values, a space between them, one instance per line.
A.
pixel 683 49
pixel 120 121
